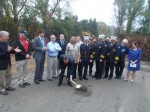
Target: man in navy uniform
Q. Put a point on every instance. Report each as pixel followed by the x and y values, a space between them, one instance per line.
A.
pixel 86 55
pixel 124 50
pixel 112 57
pixel 92 56
pixel 66 61
pixel 101 52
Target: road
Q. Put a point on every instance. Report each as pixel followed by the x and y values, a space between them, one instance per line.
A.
pixel 102 96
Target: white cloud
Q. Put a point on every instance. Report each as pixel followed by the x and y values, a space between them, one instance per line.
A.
pixel 102 10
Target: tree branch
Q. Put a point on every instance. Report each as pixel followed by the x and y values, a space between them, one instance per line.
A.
pixel 22 6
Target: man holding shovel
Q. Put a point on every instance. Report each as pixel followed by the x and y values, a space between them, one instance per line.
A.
pixel 66 61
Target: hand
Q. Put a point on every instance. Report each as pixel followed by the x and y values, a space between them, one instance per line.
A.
pixel 90 61
pixel 115 62
pixel 17 50
pixel 27 56
pixel 44 48
pixel 101 60
pixel 9 48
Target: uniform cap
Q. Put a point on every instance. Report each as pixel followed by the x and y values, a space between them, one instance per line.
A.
pixel 113 38
pixel 86 37
pixel 101 36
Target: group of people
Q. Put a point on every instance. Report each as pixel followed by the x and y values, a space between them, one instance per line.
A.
pixel 76 55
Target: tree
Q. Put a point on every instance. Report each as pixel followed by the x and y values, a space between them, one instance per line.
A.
pixel 120 14
pixel 133 10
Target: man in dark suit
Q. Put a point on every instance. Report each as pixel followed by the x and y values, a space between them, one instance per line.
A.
pixel 66 61
pixel 39 46
pixel 62 43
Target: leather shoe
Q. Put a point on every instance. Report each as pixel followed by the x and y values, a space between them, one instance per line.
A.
pixel 36 82
pixel 105 77
pixel 109 78
pixel 26 84
pixel 42 80
pixel 22 86
pixel 85 78
pixel 58 84
pixel 10 89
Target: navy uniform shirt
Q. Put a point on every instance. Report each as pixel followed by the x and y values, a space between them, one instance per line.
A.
pixel 113 53
pixel 86 53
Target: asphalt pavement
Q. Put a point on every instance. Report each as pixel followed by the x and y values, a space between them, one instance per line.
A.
pixel 101 96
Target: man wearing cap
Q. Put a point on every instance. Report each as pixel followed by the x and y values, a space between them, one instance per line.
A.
pixel 101 51
pixel 39 46
pixel 92 56
pixel 86 55
pixel 124 50
pixel 66 61
pixel 112 57
pixel 22 58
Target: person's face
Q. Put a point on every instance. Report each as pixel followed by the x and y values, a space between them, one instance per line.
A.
pixel 4 38
pixel 61 37
pixel 90 41
pixel 74 40
pixel 42 34
pixel 66 62
pixel 53 39
pixel 113 41
pixel 124 43
pixel 22 35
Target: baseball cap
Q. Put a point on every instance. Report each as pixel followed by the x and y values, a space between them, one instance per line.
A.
pixel 24 32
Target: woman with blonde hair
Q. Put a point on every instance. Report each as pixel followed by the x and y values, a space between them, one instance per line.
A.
pixel 134 57
pixel 73 49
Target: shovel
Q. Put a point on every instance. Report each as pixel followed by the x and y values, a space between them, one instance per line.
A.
pixel 77 86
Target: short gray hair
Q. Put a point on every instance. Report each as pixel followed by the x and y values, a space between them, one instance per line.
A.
pixel 4 34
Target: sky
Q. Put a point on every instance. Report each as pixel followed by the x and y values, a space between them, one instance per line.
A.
pixel 102 10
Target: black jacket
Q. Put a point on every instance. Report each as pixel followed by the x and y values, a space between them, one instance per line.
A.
pixel 63 48
pixel 22 55
pixel 5 59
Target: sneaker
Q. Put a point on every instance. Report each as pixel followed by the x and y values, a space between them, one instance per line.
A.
pixel 3 92
pixel 132 81
pixel 10 89
pixel 26 84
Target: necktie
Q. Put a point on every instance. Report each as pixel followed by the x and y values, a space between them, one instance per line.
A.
pixel 62 42
pixel 42 40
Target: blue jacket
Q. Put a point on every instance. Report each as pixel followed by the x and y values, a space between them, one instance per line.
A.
pixel 123 51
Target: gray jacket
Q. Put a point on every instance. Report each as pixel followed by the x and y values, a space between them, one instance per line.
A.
pixel 38 52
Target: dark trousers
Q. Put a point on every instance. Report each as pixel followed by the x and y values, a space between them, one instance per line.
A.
pixel 39 69
pixel 109 66
pixel 119 68
pixel 99 69
pixel 83 65
pixel 91 67
pixel 74 70
pixel 69 72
